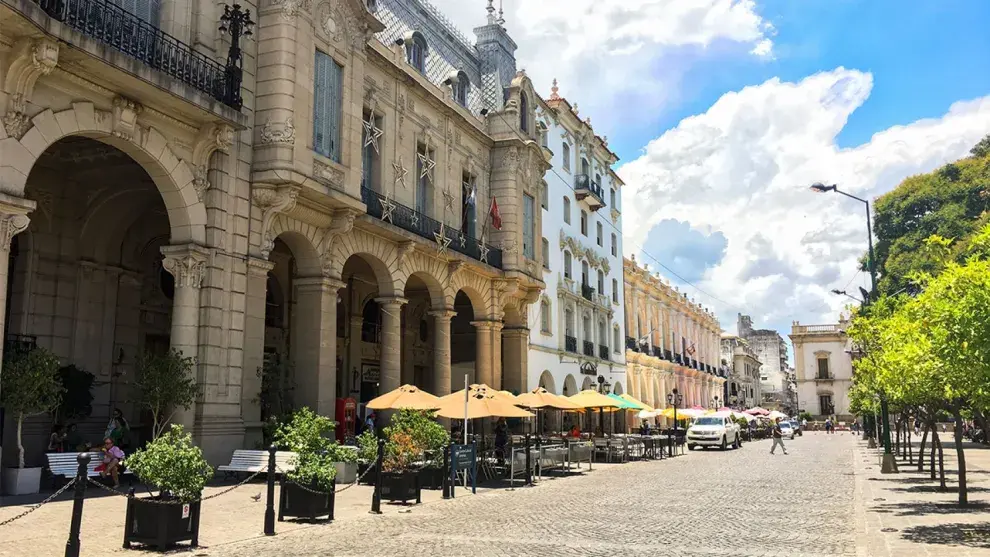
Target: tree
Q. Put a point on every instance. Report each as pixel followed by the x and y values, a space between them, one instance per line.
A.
pixel 981 149
pixel 31 386
pixel 165 384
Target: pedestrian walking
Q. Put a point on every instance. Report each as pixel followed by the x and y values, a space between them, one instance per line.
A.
pixel 778 437
pixel 828 425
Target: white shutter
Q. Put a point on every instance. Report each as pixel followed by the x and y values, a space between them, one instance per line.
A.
pixel 327 100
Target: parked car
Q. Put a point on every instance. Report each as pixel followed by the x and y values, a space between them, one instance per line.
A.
pixel 797 427
pixel 786 429
pixel 713 431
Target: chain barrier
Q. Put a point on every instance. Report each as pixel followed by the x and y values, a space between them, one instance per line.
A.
pixel 33 508
pixel 176 501
pixel 317 492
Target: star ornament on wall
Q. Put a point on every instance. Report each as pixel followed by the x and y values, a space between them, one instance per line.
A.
pixel 427 165
pixel 400 174
pixel 483 249
pixel 371 133
pixel 388 207
pixel 442 240
pixel 448 200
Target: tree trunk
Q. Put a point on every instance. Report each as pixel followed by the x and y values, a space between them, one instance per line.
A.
pixel 20 444
pixel 921 449
pixel 941 467
pixel 907 446
pixel 934 447
pixel 963 495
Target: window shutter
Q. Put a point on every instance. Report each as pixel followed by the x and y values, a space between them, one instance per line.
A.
pixel 327 109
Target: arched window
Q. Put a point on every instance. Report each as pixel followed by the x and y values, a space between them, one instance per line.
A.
pixel 567 264
pixel 460 85
pixel 584 273
pixel 567 210
pixel 568 322
pixel 616 342
pixel 545 316
pixel 416 50
pixel 615 291
pixel 523 112
pixel 585 168
pixel 602 336
pixel 601 282
pixel 565 154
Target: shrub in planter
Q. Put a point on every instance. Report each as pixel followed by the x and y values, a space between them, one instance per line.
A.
pixel 367 454
pixel 307 491
pixel 31 386
pixel 176 467
pixel 400 478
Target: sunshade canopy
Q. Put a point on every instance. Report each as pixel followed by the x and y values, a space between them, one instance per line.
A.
pixel 757 411
pixel 405 397
pixel 623 403
pixel 482 402
pixel 590 398
pixel 639 404
pixel 542 398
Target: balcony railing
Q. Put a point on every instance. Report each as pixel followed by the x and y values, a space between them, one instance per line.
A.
pixel 570 344
pixel 589 348
pixel 586 190
pixel 825 377
pixel 588 293
pixel 121 30
pixel 631 344
pixel 413 221
pixel 668 356
pixel 19 343
pixel 657 352
pixel 603 351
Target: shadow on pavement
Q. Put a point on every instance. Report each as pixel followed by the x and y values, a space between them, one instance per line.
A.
pixel 921 508
pixel 968 535
pixel 934 489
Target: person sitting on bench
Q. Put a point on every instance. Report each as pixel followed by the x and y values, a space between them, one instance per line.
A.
pixel 112 457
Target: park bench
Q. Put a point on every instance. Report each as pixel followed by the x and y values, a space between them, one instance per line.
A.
pixel 63 466
pixel 247 461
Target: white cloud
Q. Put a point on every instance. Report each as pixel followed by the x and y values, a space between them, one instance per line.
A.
pixel 629 44
pixel 742 168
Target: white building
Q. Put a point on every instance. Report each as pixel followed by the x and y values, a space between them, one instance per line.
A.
pixel 823 367
pixel 744 387
pixel 576 339
pixel 771 351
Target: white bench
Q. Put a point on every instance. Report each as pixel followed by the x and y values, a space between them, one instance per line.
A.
pixel 66 466
pixel 247 461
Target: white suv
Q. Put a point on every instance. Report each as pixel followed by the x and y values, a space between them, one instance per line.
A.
pixel 713 431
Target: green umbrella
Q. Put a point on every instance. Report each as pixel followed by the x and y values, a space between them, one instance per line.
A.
pixel 622 403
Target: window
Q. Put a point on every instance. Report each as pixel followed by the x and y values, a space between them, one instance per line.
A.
pixel 146 10
pixel 371 141
pixel 601 233
pixel 615 339
pixel 529 226
pixel 545 316
pixel 565 154
pixel 584 222
pixel 523 112
pixel 459 87
pixel 468 204
pixel 615 291
pixel 823 367
pixel 615 246
pixel 424 179
pixel 601 282
pixel 546 254
pixel 825 405
pixel 584 273
pixel 327 106
pixel 611 197
pixel 598 183
pixel 567 210
pixel 568 322
pixel 541 129
pixel 602 337
pixel 585 168
pixel 544 198
pixel 567 264
pixel 416 51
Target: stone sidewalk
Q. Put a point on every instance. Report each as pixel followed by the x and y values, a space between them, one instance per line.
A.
pixel 906 515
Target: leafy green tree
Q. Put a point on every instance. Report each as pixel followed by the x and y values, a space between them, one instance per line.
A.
pixel 164 384
pixel 173 464
pixel 981 149
pixel 31 386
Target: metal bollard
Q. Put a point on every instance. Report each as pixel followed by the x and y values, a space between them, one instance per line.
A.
pixel 72 545
pixel 529 471
pixel 447 470
pixel 270 504
pixel 376 498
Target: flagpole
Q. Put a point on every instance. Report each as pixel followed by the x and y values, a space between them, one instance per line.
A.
pixel 484 225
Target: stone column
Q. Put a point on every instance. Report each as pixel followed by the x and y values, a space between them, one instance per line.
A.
pixel 483 352
pixel 254 346
pixel 314 343
pixel 13 221
pixel 409 334
pixel 354 371
pixel 187 263
pixel 391 343
pixel 516 359
pixel 498 368
pixel 441 350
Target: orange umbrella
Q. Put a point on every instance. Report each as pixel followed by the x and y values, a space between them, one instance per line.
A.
pixel 542 398
pixel 481 402
pixel 406 396
pixel 590 398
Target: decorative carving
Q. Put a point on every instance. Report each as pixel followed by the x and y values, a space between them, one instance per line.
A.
pixel 403 251
pixel 342 223
pixel 510 158
pixel 31 59
pixel 210 138
pixel 271 201
pixel 15 121
pixel 278 133
pixel 400 173
pixel 328 175
pixel 10 226
pixel 201 181
pixel 188 268
pixel 453 267
pixel 290 8
pixel 125 115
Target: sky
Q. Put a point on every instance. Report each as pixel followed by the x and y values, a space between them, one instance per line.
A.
pixel 724 111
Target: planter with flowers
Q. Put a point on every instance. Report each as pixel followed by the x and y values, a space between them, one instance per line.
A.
pixel 176 468
pixel 413 455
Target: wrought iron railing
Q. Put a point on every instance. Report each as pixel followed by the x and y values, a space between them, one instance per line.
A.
pixel 657 352
pixel 603 352
pixel 119 29
pixel 19 343
pixel 584 182
pixel 588 292
pixel 570 344
pixel 589 348
pixel 631 344
pixel 413 221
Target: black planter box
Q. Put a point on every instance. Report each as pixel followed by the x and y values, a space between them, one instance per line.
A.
pixel 296 502
pixel 161 526
pixel 401 486
pixel 369 478
pixel 431 477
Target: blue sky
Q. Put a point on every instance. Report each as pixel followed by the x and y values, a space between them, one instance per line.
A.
pixel 924 55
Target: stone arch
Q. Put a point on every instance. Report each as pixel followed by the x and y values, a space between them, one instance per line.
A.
pixel 97 229
pixel 478 289
pixel 547 382
pixel 617 388
pixel 431 271
pixel 302 239
pixel 588 383
pixel 379 254
pixel 173 176
pixel 570 385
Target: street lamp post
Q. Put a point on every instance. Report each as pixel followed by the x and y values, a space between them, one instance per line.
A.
pixel 889 465
pixel 675 399
pixel 715 402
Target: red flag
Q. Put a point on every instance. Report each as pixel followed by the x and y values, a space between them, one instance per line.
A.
pixel 495 215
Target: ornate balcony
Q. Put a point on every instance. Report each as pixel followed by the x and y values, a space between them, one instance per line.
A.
pixel 570 344
pixel 19 343
pixel 588 191
pixel 603 352
pixel 667 355
pixel 588 293
pixel 589 348
pixel 631 344
pixel 657 352
pixel 111 25
pixel 413 221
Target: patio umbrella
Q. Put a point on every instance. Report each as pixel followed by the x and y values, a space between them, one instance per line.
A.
pixel 777 414
pixel 757 411
pixel 623 403
pixel 542 398
pixel 406 396
pixel 682 413
pixel 590 398
pixel 639 404
pixel 481 402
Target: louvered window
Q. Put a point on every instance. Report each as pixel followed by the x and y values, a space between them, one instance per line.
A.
pixel 327 107
pixel 147 10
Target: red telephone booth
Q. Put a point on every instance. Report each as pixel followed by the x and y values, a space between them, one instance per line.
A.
pixel 346 414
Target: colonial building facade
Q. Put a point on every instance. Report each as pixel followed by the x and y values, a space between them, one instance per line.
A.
pixel 823 366
pixel 672 343
pixel 771 350
pixel 744 389
pixel 578 343
pixel 321 200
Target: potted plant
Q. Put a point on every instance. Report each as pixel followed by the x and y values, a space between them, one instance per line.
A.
pixel 413 453
pixel 345 460
pixel 431 437
pixel 400 475
pixel 307 490
pixel 367 454
pixel 31 386
pixel 164 384
pixel 176 467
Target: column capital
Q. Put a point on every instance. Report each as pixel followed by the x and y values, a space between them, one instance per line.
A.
pixel 445 314
pixel 259 267
pixel 486 324
pixel 187 263
pixel 392 301
pixel 325 284
pixel 13 218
